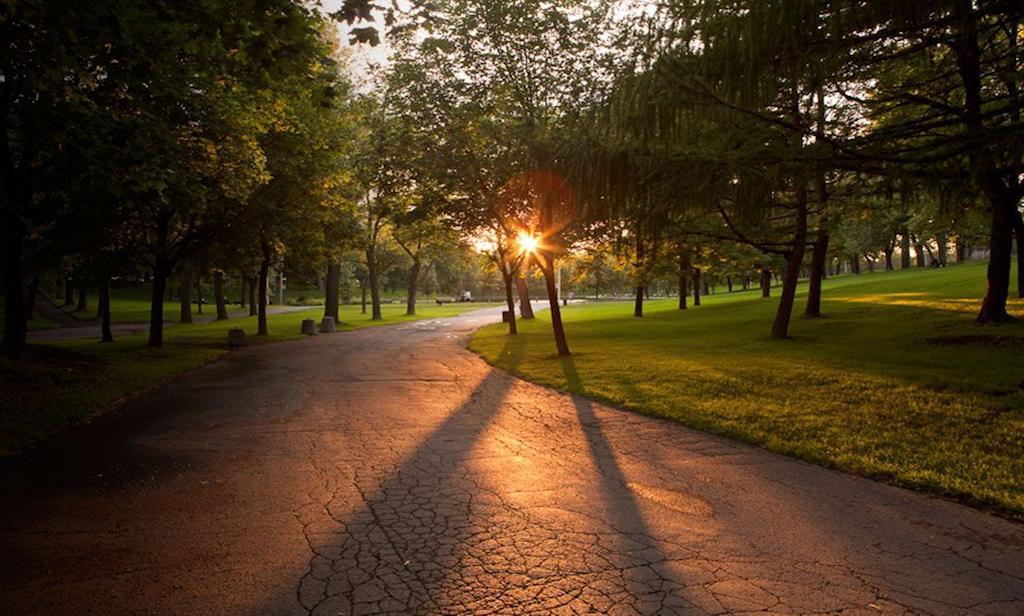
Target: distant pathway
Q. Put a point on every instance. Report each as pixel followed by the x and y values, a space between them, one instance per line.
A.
pixel 390 470
pixel 90 328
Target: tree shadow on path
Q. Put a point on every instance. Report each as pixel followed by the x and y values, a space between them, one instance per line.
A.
pixel 395 551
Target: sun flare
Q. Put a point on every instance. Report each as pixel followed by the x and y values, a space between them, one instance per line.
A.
pixel 527 242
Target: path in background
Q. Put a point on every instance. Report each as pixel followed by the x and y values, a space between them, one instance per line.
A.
pixel 90 328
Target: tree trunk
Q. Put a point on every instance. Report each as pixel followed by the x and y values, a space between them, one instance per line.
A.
pixel 161 271
pixel 684 280
pixel 414 282
pixel 106 335
pixel 185 299
pixel 728 284
pixel 15 323
pixel 69 291
pixel 818 256
pixel 638 304
pixel 253 308
pixel 904 249
pixel 961 251
pixel 30 298
pixel 261 319
pixel 510 301
pixel 943 248
pixel 523 291
pixel 83 299
pixel 548 269
pixel 331 289
pixel 696 286
pixel 218 292
pixel 1019 234
pixel 871 263
pixel 888 258
pixel 766 282
pixel 371 268
pixel 794 261
pixel 199 294
pixel 993 306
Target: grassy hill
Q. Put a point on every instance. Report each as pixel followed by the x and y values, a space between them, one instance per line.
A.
pixel 895 382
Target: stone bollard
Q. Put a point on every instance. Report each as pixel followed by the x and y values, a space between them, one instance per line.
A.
pixel 236 337
pixel 309 327
pixel 327 326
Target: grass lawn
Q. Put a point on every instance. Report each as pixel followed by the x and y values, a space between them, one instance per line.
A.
pixel 896 382
pixel 61 384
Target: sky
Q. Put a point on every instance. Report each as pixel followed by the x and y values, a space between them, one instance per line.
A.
pixel 362 57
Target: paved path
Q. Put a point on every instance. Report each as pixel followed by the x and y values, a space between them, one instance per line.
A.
pixel 391 470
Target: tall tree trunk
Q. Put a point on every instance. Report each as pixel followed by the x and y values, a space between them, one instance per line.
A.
pixel 728 284
pixel 253 292
pixel 904 249
pixel 548 269
pixel 414 282
pixel 510 301
pixel 185 299
pixel 766 282
pixel 523 291
pixel 199 294
pixel 984 169
pixel 83 299
pixel 161 271
pixel 30 298
pixel 888 258
pixel 961 251
pixel 794 261
pixel 218 292
pixel 15 321
pixel 371 269
pixel 684 279
pixel 106 335
pixel 943 249
pixel 638 303
pixel 818 256
pixel 919 256
pixel 261 319
pixel 696 286
pixel 331 284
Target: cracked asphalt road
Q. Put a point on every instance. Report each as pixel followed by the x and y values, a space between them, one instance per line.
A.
pixel 389 469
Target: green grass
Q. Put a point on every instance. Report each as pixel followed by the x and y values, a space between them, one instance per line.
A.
pixel 61 384
pixel 896 382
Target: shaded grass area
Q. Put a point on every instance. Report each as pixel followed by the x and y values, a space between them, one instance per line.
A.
pixel 895 382
pixel 63 383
